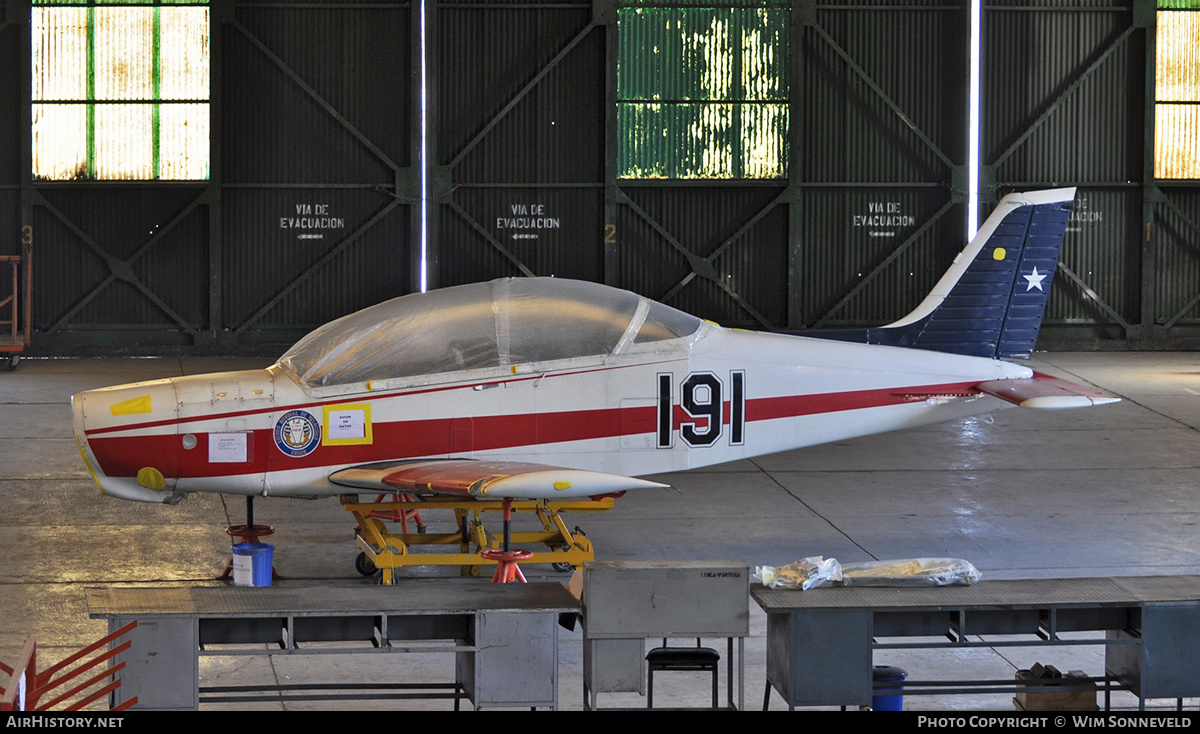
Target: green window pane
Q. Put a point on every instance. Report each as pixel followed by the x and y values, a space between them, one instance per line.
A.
pixel 717 140
pixel 60 142
pixel 1177 57
pixel 123 52
pixel 1177 141
pixel 124 147
pixel 183 142
pixel 1179 4
pixel 702 54
pixel 702 92
pixel 1177 95
pixel 185 69
pixel 120 91
pixel 656 4
pixel 36 3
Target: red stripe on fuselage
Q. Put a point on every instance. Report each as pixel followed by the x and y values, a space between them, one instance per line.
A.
pixel 351 398
pixel 794 406
pixel 434 437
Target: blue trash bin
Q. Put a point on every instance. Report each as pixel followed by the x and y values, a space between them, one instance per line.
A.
pixel 252 564
pixel 883 674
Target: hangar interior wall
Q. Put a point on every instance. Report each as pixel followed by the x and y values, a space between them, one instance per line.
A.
pixel 760 163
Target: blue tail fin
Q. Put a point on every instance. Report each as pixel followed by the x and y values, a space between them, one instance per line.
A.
pixel 991 301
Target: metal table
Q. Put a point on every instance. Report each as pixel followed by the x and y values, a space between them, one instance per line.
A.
pixel 504 636
pixel 820 642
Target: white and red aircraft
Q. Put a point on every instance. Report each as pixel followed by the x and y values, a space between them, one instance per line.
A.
pixel 543 388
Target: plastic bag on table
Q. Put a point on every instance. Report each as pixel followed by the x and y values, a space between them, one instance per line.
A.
pixel 911 572
pixel 803 574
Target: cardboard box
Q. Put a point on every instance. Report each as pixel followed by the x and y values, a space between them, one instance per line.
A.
pixel 1046 698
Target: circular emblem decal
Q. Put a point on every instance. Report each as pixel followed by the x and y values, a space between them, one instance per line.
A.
pixel 297 433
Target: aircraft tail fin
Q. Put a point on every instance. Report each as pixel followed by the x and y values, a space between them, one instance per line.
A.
pixel 991 300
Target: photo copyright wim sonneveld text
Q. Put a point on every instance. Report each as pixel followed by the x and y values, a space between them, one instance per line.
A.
pixel 1112 721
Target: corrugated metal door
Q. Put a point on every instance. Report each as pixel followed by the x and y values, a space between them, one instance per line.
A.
pixel 517 131
pixel 1063 90
pixel 753 162
pixel 767 163
pixel 881 124
pixel 297 211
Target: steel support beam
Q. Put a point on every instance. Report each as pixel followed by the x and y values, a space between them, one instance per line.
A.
pixel 424 250
pixel 216 337
pixel 604 13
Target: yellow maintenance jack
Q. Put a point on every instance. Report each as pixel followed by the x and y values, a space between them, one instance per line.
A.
pixel 386 551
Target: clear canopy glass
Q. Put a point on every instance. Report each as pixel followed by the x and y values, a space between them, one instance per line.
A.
pixel 506 322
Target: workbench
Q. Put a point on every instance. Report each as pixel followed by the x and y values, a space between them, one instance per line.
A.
pixel 820 642
pixel 504 637
pixel 629 602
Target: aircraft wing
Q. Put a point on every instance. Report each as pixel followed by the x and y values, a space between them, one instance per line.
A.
pixel 493 479
pixel 1045 392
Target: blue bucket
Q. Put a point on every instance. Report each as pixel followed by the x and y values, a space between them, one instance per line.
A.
pixel 252 564
pixel 888 674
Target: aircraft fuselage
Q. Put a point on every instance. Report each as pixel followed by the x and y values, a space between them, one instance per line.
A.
pixel 723 396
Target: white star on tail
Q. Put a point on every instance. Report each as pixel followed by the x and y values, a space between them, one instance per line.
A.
pixel 1035 281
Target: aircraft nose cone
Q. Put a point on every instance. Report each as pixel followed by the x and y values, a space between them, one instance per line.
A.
pixel 77 427
pixel 126 436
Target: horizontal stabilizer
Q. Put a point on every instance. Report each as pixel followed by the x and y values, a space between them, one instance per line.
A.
pixel 494 479
pixel 1045 392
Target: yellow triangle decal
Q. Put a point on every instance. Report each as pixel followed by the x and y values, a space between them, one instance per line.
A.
pixel 133 406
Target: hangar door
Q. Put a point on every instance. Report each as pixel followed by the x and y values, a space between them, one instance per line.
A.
pixel 787 164
pixel 208 176
pixel 758 163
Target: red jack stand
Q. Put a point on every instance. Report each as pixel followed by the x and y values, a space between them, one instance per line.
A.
pixel 399 516
pixel 507 569
pixel 506 558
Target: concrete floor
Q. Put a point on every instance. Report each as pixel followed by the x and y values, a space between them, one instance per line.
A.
pixel 1021 494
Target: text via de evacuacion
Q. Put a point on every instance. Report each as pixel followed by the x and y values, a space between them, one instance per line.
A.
pixel 883 218
pixel 315 219
pixel 1081 213
pixel 527 219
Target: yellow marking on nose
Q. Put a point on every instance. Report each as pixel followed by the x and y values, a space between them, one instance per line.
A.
pixel 88 464
pixel 133 406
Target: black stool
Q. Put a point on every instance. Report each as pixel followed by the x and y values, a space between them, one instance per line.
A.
pixel 681 659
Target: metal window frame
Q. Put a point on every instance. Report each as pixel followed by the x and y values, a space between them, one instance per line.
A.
pixel 156 101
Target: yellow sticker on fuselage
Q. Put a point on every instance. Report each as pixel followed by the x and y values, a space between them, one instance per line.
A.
pixel 347 424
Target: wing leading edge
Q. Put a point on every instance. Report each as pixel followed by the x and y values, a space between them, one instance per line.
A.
pixel 491 479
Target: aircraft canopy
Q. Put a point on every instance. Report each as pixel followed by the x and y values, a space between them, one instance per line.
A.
pixel 504 322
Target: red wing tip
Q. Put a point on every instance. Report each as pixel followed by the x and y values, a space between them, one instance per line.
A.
pixel 1045 392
